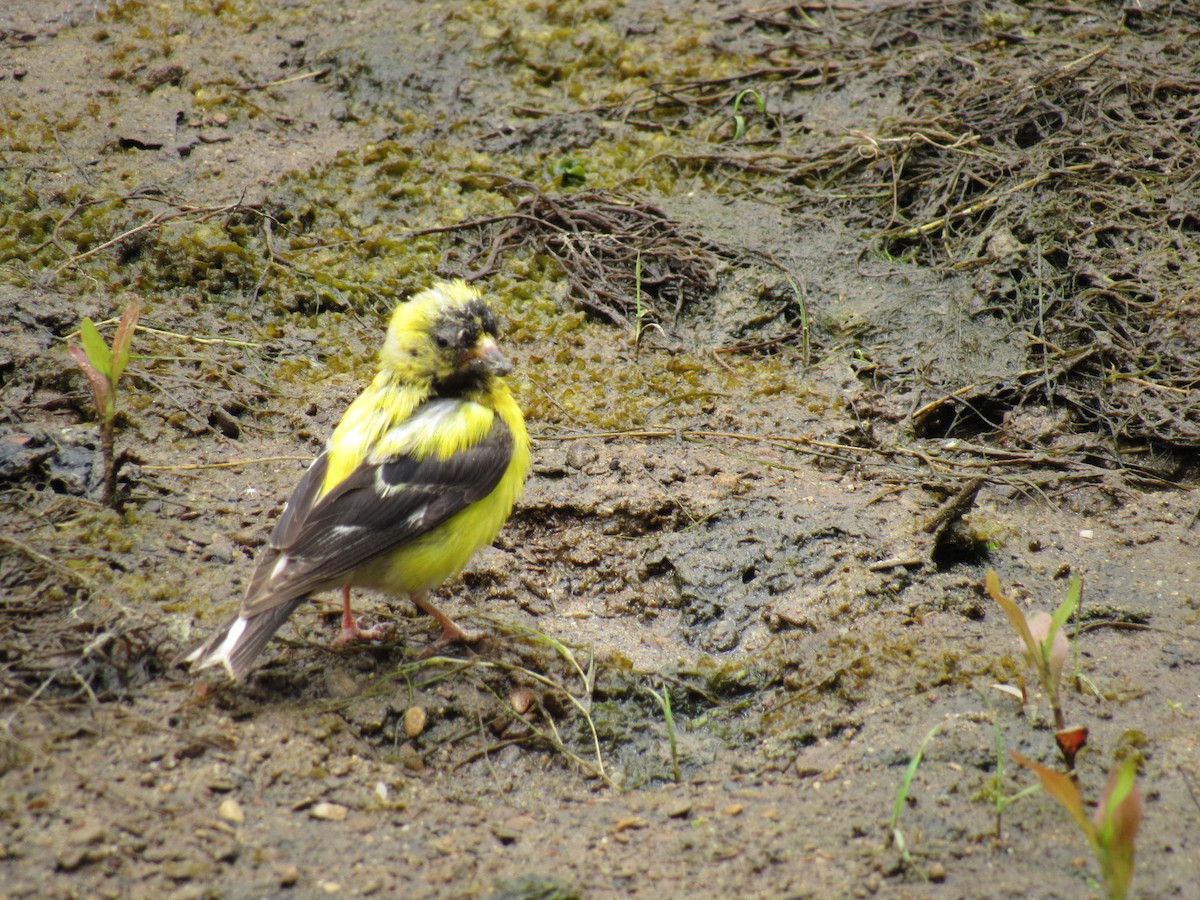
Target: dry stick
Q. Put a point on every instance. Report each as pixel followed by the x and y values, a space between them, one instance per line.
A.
pixel 954 508
pixel 233 464
pixel 980 205
pixel 941 401
pixel 230 342
pixel 159 218
pixel 51 564
pixel 303 76
pixel 830 450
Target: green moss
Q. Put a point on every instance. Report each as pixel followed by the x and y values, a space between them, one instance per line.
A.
pixel 99 528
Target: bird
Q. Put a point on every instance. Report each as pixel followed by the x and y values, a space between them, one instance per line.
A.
pixel 422 471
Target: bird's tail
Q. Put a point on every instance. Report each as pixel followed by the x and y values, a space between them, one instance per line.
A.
pixel 239 641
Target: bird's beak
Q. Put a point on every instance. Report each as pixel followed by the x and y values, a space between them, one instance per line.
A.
pixel 486 357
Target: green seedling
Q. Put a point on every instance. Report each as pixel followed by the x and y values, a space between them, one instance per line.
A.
pixel 1000 799
pixel 664 701
pixel 739 121
pixel 569 171
pixel 1112 829
pixel 805 338
pixel 1047 650
pixel 895 835
pixel 103 367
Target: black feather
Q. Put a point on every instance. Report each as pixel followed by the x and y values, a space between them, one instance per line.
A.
pixel 327 540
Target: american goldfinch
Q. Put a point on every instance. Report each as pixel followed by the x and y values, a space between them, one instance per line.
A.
pixel 420 473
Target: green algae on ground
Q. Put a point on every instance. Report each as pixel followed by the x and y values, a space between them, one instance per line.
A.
pixel 355 234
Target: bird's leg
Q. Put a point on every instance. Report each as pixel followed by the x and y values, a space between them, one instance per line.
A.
pixel 351 631
pixel 452 632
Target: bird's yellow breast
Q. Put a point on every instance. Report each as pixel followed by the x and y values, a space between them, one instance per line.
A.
pixel 425 562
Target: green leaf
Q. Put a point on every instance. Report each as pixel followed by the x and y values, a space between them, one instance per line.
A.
pixel 748 92
pixel 739 121
pixel 1118 817
pixel 1121 783
pixel 1059 619
pixel 124 336
pixel 97 351
pixel 570 171
pixel 910 773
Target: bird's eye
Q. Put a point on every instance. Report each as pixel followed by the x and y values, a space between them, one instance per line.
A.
pixel 442 341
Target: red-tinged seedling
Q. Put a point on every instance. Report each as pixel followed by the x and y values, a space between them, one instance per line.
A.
pixel 1046 650
pixel 1112 829
pixel 104 367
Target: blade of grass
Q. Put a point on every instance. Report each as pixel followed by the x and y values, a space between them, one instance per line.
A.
pixel 896 836
pixel 543 680
pixel 664 702
pixel 552 739
pixel 1059 619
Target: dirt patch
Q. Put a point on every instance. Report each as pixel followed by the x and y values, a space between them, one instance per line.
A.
pixel 916 289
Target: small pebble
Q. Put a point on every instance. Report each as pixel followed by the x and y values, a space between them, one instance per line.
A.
pixel 581 453
pixel 168 73
pixel 521 700
pixel 512 828
pixel 231 811
pixel 289 875
pixel 411 759
pixel 630 822
pixel 340 683
pixel 414 721
pixel 92 833
pixel 71 858
pixel 184 870
pixel 329 812
pixel 937 873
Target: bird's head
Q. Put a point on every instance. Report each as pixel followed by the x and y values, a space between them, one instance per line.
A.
pixel 446 333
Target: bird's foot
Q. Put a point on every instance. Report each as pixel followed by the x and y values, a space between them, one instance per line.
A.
pixel 453 633
pixel 353 633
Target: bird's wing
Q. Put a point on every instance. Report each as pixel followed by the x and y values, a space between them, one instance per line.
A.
pixel 300 504
pixel 379 506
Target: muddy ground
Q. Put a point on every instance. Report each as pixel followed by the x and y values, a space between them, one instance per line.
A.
pixel 921 305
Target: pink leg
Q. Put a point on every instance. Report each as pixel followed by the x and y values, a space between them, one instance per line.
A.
pixel 452 632
pixel 351 632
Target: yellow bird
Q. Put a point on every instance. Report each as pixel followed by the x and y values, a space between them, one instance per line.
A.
pixel 420 473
